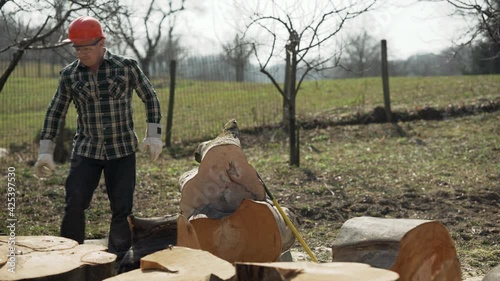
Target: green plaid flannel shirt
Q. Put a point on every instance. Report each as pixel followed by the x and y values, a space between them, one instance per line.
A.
pixel 103 102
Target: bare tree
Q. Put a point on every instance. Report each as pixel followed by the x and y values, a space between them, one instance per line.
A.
pixel 361 55
pixel 3 2
pixel 24 34
pixel 170 48
pixel 482 39
pixel 487 14
pixel 297 34
pixel 237 53
pixel 30 36
pixel 134 27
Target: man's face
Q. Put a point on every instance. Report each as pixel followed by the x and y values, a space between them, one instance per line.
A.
pixel 89 52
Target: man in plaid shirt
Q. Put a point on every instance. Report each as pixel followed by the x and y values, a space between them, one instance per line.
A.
pixel 100 84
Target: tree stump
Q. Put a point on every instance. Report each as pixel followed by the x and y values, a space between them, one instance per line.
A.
pixel 55 258
pixel 415 249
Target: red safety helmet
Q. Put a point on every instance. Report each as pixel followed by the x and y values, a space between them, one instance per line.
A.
pixel 84 28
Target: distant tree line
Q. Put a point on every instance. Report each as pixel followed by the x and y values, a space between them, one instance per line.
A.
pixel 360 57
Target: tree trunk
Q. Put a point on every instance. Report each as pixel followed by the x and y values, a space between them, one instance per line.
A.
pixel 18 55
pixel 289 104
pixel 240 71
pixel 415 249
pixel 294 140
pixel 56 258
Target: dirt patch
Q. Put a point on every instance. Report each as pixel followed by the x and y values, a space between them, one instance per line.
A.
pixel 378 115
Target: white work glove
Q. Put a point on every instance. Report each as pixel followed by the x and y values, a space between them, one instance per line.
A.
pixel 152 142
pixel 45 165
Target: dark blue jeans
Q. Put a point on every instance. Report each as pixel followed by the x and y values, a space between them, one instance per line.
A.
pixel 81 183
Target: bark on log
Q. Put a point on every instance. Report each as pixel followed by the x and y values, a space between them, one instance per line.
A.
pixel 148 236
pixel 56 258
pixel 416 249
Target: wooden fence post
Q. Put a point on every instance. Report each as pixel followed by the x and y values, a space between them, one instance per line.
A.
pixel 170 113
pixel 385 82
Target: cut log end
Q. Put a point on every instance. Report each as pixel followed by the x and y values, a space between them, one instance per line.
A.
pixel 249 234
pixel 416 249
pixel 223 179
pixel 57 258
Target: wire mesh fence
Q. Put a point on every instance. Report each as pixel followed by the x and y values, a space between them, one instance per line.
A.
pixel 206 96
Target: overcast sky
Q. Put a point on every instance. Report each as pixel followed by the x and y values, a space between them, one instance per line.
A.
pixel 410 27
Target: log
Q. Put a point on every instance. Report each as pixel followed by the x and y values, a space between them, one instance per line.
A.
pixel 249 234
pixel 212 193
pixel 56 258
pixel 308 271
pixel 415 249
pixel 180 263
pixel 187 234
pixel 215 190
pixel 146 228
pixel 148 236
pixel 223 179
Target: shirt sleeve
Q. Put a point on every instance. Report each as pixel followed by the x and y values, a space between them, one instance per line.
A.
pixel 56 112
pixel 146 92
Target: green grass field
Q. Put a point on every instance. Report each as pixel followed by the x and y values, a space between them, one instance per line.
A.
pixel 202 107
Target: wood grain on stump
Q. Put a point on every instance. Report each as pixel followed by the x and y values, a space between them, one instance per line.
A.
pixel 56 258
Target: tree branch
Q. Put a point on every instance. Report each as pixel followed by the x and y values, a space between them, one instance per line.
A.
pixel 263 70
